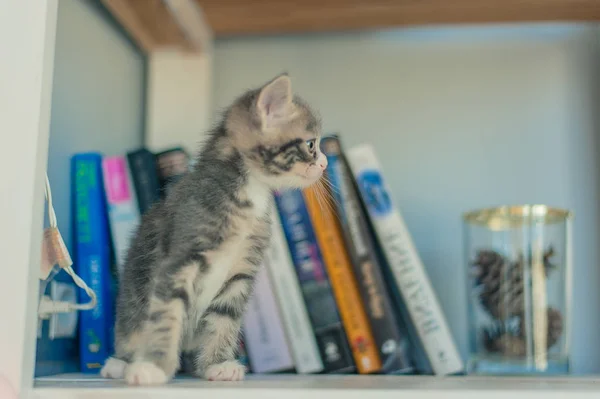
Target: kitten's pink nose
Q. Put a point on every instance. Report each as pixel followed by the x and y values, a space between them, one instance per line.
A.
pixel 322 163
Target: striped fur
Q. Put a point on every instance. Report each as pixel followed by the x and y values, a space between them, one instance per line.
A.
pixel 191 265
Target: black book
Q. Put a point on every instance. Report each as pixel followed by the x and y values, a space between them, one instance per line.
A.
pixel 145 178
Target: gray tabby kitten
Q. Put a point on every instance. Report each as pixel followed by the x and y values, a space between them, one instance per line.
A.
pixel 191 266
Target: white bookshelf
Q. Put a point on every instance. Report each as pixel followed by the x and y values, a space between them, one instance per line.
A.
pixel 27 31
pixel 333 387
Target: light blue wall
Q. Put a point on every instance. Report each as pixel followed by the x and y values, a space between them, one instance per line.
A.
pixel 97 95
pixel 446 109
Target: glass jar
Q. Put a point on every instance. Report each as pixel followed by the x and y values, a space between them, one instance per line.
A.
pixel 519 275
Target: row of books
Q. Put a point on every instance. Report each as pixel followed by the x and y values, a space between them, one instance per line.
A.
pixel 342 289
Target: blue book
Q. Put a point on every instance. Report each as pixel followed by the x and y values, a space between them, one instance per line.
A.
pixel 333 344
pixel 92 258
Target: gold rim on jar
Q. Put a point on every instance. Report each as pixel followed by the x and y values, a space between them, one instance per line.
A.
pixel 511 216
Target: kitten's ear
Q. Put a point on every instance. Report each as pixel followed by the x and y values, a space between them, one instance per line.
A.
pixel 275 101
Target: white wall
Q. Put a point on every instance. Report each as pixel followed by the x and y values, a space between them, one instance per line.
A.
pixel 445 110
pixel 178 93
pixel 97 98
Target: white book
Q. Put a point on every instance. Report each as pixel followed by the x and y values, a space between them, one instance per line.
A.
pixel 294 314
pixel 264 336
pixel 404 261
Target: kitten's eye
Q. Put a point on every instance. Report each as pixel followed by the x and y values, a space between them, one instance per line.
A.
pixel 311 145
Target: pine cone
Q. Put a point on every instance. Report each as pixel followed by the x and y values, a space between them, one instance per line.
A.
pixel 507 345
pixel 512 343
pixel 501 282
pixel 554 328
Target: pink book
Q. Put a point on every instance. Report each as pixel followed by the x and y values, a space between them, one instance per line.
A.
pixel 123 211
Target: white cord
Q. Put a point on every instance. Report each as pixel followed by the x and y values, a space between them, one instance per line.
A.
pixel 51 213
pixel 47 306
pixel 81 284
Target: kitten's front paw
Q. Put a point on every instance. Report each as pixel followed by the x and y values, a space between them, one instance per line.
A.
pixel 226 371
pixel 113 368
pixel 145 373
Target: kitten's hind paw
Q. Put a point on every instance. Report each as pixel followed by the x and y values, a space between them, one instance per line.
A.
pixel 113 368
pixel 145 373
pixel 226 371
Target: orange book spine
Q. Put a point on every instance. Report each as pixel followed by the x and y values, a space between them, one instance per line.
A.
pixel 343 284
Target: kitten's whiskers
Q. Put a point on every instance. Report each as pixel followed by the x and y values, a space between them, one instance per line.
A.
pixel 326 182
pixel 324 196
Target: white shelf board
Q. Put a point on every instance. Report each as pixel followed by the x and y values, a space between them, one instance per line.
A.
pixel 332 387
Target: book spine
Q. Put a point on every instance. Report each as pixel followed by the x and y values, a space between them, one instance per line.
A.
pixel 391 341
pixel 264 336
pixel 419 357
pixel 142 164
pixel 344 284
pixel 293 311
pixel 123 212
pixel 314 283
pixel 404 262
pixel 92 258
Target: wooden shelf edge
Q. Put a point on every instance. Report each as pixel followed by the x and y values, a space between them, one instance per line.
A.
pixel 189 25
pixel 156 25
pixel 262 17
